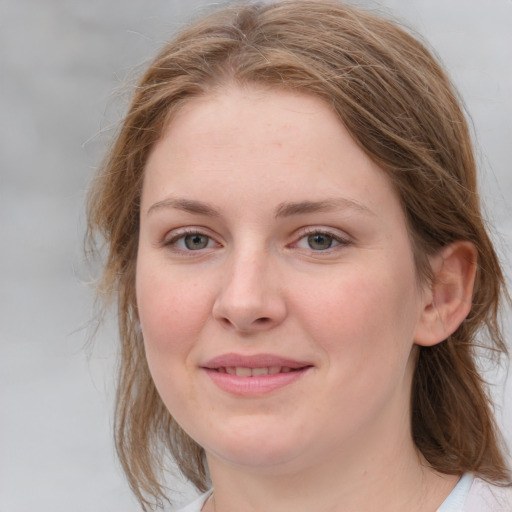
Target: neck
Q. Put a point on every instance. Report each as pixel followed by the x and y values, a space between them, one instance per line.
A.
pixel 391 477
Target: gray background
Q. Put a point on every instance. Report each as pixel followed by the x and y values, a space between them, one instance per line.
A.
pixel 63 71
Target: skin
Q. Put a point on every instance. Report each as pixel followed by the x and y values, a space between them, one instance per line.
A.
pixel 226 169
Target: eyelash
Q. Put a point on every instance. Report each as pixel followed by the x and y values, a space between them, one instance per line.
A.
pixel 340 240
pixel 182 234
pixel 185 232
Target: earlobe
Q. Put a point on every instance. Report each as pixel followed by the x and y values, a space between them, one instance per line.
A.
pixel 448 302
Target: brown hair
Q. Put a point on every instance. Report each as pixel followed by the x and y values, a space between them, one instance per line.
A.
pixel 400 107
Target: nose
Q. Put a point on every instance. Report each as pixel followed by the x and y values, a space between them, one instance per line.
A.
pixel 250 299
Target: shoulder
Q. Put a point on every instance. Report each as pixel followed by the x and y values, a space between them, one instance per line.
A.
pixel 472 494
pixel 485 497
pixel 197 504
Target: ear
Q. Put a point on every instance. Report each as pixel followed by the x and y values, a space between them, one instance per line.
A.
pixel 448 301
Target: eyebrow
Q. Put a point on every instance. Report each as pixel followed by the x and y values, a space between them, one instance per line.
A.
pixel 302 207
pixel 286 209
pixel 186 205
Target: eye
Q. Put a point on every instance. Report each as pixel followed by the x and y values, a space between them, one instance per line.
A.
pixel 190 241
pixel 196 241
pixel 320 241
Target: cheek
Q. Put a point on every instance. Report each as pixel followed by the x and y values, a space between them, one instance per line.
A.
pixel 172 310
pixel 364 317
pixel 364 323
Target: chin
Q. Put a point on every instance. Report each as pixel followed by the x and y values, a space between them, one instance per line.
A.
pixel 261 448
pixel 270 460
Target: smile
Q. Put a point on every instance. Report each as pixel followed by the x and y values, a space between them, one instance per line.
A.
pixel 254 375
pixel 244 371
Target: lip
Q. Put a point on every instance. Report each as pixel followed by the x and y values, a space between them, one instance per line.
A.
pixel 254 385
pixel 253 361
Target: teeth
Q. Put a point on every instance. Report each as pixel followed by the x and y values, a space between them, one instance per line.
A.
pixel 242 371
pixel 259 371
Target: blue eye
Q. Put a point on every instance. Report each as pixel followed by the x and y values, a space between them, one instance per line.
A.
pixel 196 241
pixel 190 242
pixel 320 241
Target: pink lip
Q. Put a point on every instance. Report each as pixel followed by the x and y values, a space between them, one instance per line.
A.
pixel 254 385
pixel 254 361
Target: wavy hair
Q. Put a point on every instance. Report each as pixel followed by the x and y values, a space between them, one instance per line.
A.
pixel 401 109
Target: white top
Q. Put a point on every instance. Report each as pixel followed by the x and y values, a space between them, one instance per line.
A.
pixel 469 495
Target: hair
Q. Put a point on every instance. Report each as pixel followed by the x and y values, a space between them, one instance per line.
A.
pixel 401 109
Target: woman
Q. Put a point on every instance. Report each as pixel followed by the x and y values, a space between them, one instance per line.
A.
pixel 301 270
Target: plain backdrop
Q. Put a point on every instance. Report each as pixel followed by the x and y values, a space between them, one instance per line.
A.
pixel 64 66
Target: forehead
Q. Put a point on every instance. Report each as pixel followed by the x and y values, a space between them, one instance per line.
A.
pixel 255 141
pixel 251 114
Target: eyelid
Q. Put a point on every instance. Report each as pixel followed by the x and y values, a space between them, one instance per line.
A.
pixel 342 239
pixel 170 239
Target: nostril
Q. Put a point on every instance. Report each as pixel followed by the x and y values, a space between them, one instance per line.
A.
pixel 258 322
pixel 226 321
pixel 246 319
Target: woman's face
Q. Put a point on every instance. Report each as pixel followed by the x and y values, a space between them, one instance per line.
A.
pixel 276 284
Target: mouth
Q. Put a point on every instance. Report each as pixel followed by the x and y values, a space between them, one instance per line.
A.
pixel 254 375
pixel 244 371
pixel 254 365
